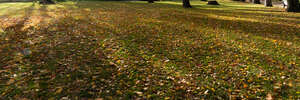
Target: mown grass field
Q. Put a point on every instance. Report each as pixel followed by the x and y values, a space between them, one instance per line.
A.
pixel 122 50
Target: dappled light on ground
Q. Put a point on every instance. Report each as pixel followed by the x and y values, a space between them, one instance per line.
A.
pixel 121 50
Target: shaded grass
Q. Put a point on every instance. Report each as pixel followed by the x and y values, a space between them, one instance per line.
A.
pixel 122 50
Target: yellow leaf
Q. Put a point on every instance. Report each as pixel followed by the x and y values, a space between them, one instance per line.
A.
pixel 59 90
pixel 213 89
pixel 139 93
pixel 119 92
pixel 167 98
pixel 11 81
pixel 245 85
pixel 269 97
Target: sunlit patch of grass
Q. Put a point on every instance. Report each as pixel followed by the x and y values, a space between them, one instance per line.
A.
pixel 1 30
pixel 13 9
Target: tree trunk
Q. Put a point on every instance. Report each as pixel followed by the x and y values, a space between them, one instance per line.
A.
pixel 293 6
pixel 47 2
pixel 150 1
pixel 268 3
pixel 212 3
pixel 256 1
pixel 186 4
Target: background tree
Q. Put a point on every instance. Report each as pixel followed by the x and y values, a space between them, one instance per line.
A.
pixel 186 4
pixel 150 1
pixel 268 3
pixel 47 2
pixel 212 2
pixel 256 1
pixel 293 6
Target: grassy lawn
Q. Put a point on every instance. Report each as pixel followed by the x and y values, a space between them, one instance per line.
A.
pixel 122 50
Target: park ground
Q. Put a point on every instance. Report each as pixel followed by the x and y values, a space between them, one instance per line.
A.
pixel 122 50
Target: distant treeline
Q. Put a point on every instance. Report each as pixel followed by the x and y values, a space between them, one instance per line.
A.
pixel 16 0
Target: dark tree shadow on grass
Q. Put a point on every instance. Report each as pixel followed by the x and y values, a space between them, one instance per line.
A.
pixel 152 43
pixel 266 30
